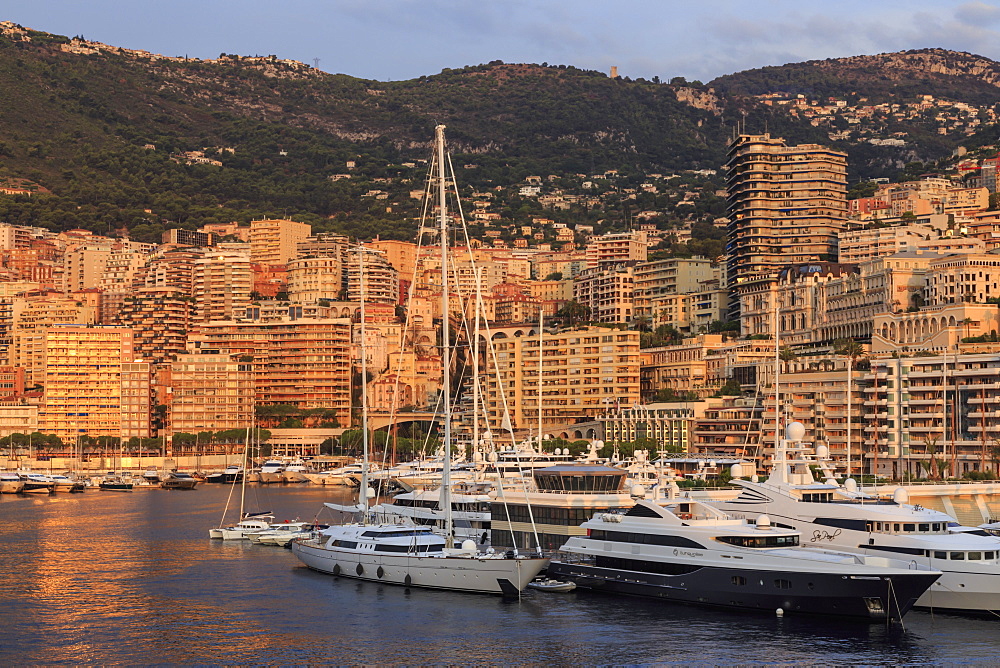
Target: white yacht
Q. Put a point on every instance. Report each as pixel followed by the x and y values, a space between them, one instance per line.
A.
pixel 283 533
pixel 37 483
pixel 470 511
pixel 248 524
pixel 844 518
pixel 414 555
pixel 64 483
pixel 270 471
pixel 10 482
pixel 687 551
pixel 295 472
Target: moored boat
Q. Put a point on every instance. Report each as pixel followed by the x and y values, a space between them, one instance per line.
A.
pixel 116 484
pixel 686 551
pixel 844 518
pixel 65 483
pixel 10 483
pixel 37 483
pixel 178 480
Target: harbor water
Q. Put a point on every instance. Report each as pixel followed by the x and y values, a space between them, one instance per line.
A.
pixel 132 578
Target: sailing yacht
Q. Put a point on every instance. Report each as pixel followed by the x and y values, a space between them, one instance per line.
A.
pixel 844 518
pixel 409 555
pixel 249 522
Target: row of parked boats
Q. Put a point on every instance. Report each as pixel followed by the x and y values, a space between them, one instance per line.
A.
pixel 787 544
pixel 34 482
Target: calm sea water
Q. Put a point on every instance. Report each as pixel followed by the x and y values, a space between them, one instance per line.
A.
pixel 118 578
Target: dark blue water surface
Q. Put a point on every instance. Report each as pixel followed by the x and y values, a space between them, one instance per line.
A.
pixel 119 578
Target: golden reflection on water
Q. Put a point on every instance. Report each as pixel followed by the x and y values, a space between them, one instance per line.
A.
pixel 117 578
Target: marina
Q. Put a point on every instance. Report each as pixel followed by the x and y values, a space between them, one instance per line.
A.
pixel 147 580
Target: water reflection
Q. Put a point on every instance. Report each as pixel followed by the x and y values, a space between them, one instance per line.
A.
pixel 133 578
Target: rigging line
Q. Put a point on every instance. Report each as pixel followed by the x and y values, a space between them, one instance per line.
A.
pixel 409 301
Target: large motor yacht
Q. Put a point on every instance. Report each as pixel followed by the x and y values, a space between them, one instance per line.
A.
pixel 843 517
pixel 687 551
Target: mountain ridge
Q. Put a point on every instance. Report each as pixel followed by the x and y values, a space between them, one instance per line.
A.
pixel 106 129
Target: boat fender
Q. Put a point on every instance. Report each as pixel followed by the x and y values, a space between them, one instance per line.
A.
pixel 407 580
pixel 380 572
pixel 336 569
pixel 360 569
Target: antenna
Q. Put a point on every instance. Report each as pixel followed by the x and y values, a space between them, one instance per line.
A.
pixel 316 63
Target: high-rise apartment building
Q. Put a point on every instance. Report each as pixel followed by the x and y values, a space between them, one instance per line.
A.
pixel 221 285
pixel 584 373
pixel 306 363
pixel 786 206
pixel 619 247
pixel 210 391
pixel 276 241
pixel 159 319
pixel 84 374
pixel 311 279
pixel 381 280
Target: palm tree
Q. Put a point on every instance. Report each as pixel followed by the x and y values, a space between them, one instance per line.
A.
pixel 967 322
pixel 787 355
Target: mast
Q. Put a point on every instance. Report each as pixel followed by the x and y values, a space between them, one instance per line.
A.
pixel 777 394
pixel 445 343
pixel 541 315
pixel 475 362
pixel 363 497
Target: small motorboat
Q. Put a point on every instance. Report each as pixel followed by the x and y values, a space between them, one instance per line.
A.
pixel 116 484
pixel 552 585
pixel 178 480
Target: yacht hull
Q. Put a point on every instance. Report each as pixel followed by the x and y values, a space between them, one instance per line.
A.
pixel 270 477
pixel 487 575
pixel 11 486
pixel 862 597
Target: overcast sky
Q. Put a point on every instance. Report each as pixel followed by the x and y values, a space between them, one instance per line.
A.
pixel 403 39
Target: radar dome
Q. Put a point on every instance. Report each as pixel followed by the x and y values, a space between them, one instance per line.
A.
pixel 763 522
pixel 370 493
pixel 851 485
pixel 469 545
pixel 638 491
pixel 901 496
pixel 795 431
pixel 822 452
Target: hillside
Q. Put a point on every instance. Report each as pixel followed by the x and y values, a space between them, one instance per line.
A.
pixel 130 141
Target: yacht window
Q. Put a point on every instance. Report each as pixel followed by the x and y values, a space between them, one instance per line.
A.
pixel 895 527
pixel 783 584
pixel 989 556
pixel 909 527
pixel 760 541
pixel 958 556
pixel 936 526
pixel 348 544
pixel 975 556
pixel 739 580
pixel 925 527
pixel 940 555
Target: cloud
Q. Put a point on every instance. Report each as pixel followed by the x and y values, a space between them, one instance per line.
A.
pixel 977 13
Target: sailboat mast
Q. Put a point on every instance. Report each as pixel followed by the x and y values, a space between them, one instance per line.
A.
pixel 363 500
pixel 541 315
pixel 445 342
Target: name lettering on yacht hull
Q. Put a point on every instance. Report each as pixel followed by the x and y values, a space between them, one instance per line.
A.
pixel 821 535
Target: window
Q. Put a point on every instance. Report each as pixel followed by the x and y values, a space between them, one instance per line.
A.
pixel 739 580
pixel 958 556
pixel 783 584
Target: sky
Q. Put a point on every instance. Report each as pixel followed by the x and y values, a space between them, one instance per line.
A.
pixel 403 39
